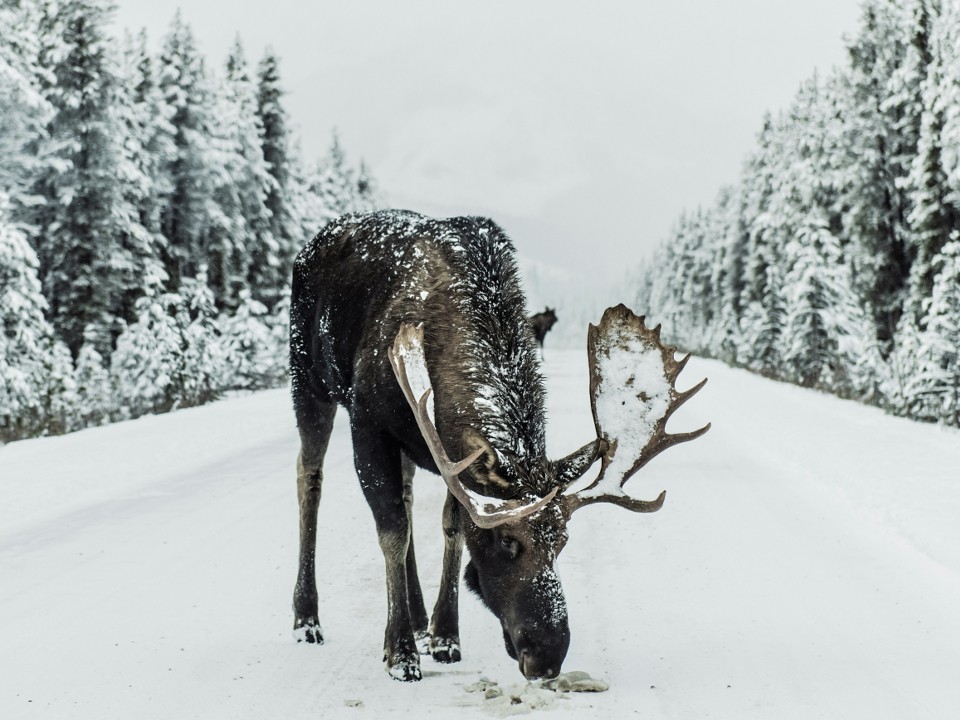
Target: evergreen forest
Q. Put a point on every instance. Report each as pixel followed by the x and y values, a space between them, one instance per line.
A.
pixel 834 262
pixel 151 206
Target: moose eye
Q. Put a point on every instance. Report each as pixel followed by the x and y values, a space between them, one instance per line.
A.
pixel 510 545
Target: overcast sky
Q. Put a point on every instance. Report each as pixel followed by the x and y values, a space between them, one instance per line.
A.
pixel 584 128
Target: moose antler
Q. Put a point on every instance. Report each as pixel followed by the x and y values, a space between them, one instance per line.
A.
pixel 486 512
pixel 632 394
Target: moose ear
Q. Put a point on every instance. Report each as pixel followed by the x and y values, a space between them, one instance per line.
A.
pixel 484 469
pixel 574 465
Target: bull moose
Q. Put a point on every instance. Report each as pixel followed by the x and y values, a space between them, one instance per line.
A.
pixel 417 326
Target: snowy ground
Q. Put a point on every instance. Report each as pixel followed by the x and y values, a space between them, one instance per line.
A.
pixel 806 564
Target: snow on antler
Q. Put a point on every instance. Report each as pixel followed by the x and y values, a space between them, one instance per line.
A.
pixel 632 394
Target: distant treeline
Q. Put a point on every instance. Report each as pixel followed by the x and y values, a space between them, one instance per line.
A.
pixel 835 262
pixel 150 211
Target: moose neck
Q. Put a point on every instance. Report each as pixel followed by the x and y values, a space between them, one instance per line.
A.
pixel 508 397
pixel 491 380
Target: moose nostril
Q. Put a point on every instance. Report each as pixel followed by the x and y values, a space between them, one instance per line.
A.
pixel 528 667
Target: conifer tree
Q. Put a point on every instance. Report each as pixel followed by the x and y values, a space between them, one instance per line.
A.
pixel 937 372
pixel 36 375
pixel 24 111
pixel 878 136
pixel 94 391
pixel 204 369
pixel 257 361
pixel 334 183
pixel 285 225
pixel 726 282
pixel 146 365
pixel 189 211
pixel 262 268
pixel 151 153
pixel 934 215
pixel 88 235
pixel 761 302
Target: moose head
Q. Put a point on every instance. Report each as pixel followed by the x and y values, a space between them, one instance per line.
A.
pixel 514 541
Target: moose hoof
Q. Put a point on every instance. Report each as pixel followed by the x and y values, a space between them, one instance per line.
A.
pixel 423 642
pixel 308 631
pixel 404 669
pixel 445 650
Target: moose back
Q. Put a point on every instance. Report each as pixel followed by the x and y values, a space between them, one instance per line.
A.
pixel 418 327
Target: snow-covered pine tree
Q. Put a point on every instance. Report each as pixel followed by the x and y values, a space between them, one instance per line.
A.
pixel 279 322
pixel 663 299
pixel 824 323
pixel 95 400
pixel 147 364
pixel 173 356
pixel 905 392
pixel 87 234
pixel 284 196
pixel 949 32
pixel 324 190
pixel 334 183
pixel 933 216
pixel 261 266
pixel 149 152
pixel 727 231
pixel 24 111
pixel 226 239
pixel 139 262
pixel 761 301
pixel 877 138
pixel 800 203
pixel 205 371
pixel 190 212
pixel 367 196
pixel 36 374
pixel 152 131
pixel 694 279
pixel 936 376
pixel 255 358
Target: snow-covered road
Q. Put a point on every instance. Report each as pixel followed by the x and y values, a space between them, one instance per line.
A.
pixel 806 564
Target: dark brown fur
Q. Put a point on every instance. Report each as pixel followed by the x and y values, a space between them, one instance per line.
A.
pixel 353 286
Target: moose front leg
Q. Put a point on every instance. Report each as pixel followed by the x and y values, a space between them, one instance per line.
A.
pixel 378 464
pixel 418 612
pixel 445 625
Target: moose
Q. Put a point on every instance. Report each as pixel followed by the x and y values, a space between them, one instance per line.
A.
pixel 417 327
pixel 541 323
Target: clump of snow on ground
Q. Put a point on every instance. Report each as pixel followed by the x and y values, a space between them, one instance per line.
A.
pixel 522 698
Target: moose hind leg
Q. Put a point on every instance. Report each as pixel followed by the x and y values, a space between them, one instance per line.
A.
pixel 418 611
pixel 445 625
pixel 315 425
pixel 378 463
